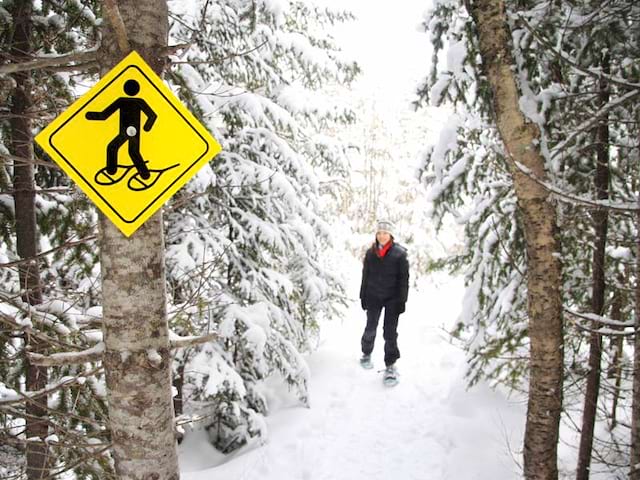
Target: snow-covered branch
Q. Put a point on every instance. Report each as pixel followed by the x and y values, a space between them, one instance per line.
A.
pixel 598 74
pixel 622 207
pixel 184 342
pixel 593 120
pixel 592 317
pixel 78 59
pixel 17 397
pixel 93 354
pixel 27 327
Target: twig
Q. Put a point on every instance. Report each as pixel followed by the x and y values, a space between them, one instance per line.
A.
pixel 49 252
pixel 621 82
pixel 596 118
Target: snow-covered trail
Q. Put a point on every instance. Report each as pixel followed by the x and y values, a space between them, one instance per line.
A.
pixel 427 427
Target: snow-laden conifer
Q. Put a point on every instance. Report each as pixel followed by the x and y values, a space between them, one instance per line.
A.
pixel 246 239
pixel 566 56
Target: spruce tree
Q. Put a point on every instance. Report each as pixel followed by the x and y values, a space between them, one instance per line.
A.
pixel 245 238
pixel 558 50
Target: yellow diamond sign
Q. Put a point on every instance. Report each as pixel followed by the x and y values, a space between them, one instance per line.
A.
pixel 129 143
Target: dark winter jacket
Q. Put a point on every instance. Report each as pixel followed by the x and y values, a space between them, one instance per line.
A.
pixel 385 280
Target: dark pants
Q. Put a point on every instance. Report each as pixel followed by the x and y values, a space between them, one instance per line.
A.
pixel 390 333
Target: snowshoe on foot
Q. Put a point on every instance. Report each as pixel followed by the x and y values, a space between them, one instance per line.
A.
pixel 366 363
pixel 390 376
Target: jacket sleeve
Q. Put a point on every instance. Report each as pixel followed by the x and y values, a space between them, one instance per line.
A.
pixel 365 271
pixel 403 279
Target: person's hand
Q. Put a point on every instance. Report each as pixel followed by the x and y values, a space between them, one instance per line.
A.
pixel 363 304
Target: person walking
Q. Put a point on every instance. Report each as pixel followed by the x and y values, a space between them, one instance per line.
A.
pixel 385 285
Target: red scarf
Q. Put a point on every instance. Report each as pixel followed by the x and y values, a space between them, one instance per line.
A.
pixel 381 252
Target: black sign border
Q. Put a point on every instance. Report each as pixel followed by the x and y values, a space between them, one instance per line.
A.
pixel 89 184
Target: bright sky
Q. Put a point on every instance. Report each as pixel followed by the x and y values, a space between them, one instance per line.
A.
pixel 393 53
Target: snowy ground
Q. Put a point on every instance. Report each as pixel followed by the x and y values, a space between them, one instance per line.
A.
pixel 428 427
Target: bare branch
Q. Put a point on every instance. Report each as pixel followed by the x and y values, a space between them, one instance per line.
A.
pixel 48 252
pixel 87 56
pixel 184 342
pixel 220 61
pixel 23 161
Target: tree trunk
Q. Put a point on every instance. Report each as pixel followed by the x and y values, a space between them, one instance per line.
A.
pixel 521 140
pixel 178 384
pixel 634 473
pixel 21 146
pixel 617 343
pixel 600 218
pixel 137 356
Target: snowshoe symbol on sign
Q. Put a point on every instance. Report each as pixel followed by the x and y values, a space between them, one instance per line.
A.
pixel 136 182
pixel 130 109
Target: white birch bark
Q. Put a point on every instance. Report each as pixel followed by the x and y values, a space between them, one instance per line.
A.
pixel 137 357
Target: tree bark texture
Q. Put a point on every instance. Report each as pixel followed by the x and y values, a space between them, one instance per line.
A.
pixel 634 470
pixel 600 219
pixel 538 215
pixel 616 346
pixel 137 357
pixel 21 146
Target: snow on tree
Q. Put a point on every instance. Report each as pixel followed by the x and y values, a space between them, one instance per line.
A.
pixel 246 238
pixel 566 56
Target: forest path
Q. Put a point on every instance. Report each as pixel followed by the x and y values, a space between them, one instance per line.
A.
pixel 427 427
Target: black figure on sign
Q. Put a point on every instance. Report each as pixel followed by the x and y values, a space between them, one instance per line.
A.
pixel 130 109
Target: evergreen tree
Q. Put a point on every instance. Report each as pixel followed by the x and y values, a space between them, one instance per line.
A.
pixel 245 239
pixel 559 50
pixel 75 407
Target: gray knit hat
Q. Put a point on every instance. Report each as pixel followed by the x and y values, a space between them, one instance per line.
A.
pixel 386 226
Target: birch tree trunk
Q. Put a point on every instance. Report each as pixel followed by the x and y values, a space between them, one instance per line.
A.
pixel 21 147
pixel 521 139
pixel 137 357
pixel 600 219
